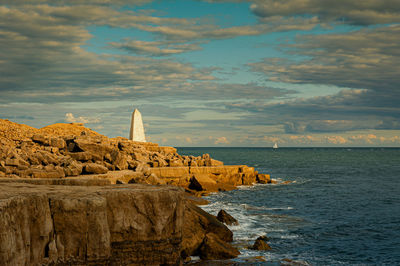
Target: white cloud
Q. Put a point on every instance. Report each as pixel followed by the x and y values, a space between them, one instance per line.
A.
pixel 344 11
pixel 221 140
pixel 70 118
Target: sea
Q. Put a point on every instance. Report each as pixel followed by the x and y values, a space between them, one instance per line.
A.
pixel 341 208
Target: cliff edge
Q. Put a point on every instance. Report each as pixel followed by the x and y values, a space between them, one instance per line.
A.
pixel 70 195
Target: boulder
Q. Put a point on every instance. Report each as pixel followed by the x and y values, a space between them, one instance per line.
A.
pixel 16 161
pixel 41 139
pixel 126 146
pixel 175 163
pixel 143 168
pixel 141 157
pixel 213 162
pixel 263 178
pixel 248 179
pixel 213 248
pixel 197 224
pixel 45 158
pixel 94 168
pixel 261 244
pixel 226 218
pixel 57 142
pixel 154 180
pixel 132 164
pixel 83 156
pixel 200 182
pixel 73 169
pixel 93 145
pixel 119 160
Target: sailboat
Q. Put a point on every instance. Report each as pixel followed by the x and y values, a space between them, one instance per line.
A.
pixel 275 146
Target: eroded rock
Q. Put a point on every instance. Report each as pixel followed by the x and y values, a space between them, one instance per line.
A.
pixel 261 244
pixel 213 248
pixel 226 218
pixel 94 168
pixel 197 224
pixel 111 225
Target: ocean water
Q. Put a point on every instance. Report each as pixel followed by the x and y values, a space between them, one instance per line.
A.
pixel 343 207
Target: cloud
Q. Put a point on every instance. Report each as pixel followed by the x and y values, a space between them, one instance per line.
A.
pixel 344 11
pixel 221 140
pixel 77 2
pixel 369 139
pixel 363 63
pixel 44 58
pixel 70 118
pixel 336 140
pixel 156 48
pixel 360 59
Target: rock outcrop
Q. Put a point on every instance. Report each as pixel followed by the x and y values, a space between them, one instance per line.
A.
pixel 119 225
pixel 226 218
pixel 213 248
pixel 57 204
pixel 198 224
pixel 66 150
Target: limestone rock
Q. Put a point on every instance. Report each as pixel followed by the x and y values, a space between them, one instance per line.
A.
pixel 263 178
pixel 140 156
pixel 154 180
pixel 144 168
pixel 197 224
pixel 57 142
pixel 16 161
pixel 52 173
pixel 175 163
pixel 226 218
pixel 201 182
pixel 248 179
pixel 214 248
pixel 261 243
pixel 41 139
pixel 83 156
pixel 111 225
pixel 94 168
pixel 119 160
pixel 93 145
pixel 73 169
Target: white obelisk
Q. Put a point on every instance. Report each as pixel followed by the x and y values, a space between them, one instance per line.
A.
pixel 137 130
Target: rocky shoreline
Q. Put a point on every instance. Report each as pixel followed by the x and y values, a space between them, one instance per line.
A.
pixel 71 195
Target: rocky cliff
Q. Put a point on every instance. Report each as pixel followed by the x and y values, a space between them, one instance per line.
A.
pixel 127 224
pixel 65 150
pixel 71 195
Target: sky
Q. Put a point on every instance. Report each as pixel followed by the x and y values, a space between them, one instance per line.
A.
pixel 301 73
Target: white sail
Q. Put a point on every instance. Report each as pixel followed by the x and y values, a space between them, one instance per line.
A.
pixel 275 146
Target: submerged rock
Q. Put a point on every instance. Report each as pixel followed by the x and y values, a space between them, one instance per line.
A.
pixel 261 244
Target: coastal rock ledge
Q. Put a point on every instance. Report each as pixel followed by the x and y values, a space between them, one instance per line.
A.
pixel 90 225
